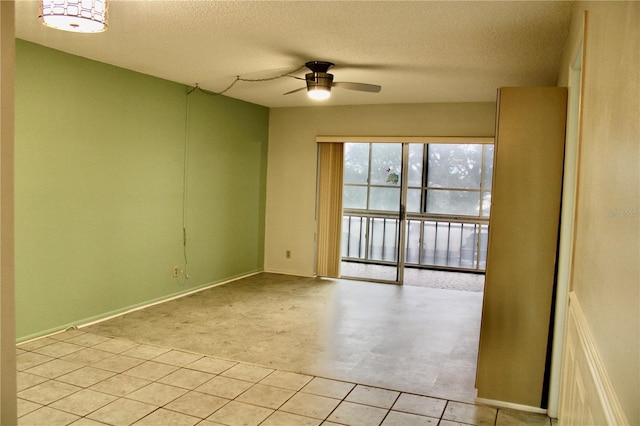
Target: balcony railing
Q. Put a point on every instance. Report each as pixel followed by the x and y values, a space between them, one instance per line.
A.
pixel 431 242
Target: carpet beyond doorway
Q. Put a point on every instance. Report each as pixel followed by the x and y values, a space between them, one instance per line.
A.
pixel 445 280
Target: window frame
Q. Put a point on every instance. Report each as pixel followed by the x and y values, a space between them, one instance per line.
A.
pixel 425 189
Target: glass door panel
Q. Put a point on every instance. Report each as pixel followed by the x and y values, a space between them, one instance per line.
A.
pixel 372 226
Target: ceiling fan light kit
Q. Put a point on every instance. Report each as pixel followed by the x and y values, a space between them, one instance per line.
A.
pixel 79 16
pixel 319 81
pixel 319 85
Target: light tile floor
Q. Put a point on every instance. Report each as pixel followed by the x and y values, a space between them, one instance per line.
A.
pixel 82 378
pixel 420 340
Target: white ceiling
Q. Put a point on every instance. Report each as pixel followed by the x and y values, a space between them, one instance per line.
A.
pixel 419 51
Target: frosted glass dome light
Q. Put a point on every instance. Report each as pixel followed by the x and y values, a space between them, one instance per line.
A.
pixel 318 93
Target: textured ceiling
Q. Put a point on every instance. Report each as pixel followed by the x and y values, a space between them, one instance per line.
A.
pixel 419 51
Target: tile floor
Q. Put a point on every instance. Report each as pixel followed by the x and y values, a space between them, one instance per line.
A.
pixel 420 340
pixel 82 378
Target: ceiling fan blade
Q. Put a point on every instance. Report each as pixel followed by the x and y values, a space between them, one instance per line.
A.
pixel 362 87
pixel 294 91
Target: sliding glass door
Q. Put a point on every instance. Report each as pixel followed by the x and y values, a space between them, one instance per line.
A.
pixel 419 205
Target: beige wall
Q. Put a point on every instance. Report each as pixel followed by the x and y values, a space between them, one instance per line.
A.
pixel 606 274
pixel 291 174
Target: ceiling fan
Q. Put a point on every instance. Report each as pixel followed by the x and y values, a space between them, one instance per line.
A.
pixel 320 82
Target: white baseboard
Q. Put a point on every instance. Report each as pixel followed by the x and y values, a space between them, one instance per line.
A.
pixel 291 273
pixel 114 314
pixel 168 299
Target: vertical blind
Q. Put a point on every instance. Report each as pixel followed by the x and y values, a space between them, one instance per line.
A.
pixel 329 209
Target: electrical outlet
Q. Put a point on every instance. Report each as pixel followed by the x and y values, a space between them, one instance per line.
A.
pixel 176 271
pixel 287 254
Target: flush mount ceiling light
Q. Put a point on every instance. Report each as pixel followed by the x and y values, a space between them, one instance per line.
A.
pixel 79 16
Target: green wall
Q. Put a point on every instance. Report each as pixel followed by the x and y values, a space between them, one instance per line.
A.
pixel 99 189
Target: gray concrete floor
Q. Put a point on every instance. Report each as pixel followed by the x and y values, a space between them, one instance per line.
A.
pixel 413 339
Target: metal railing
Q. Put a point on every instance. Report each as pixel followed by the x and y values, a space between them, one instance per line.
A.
pixel 431 241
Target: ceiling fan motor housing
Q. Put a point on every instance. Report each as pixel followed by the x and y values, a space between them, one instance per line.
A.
pixel 319 81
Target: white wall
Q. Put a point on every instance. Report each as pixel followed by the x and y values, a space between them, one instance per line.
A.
pixel 292 161
pixel 606 256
